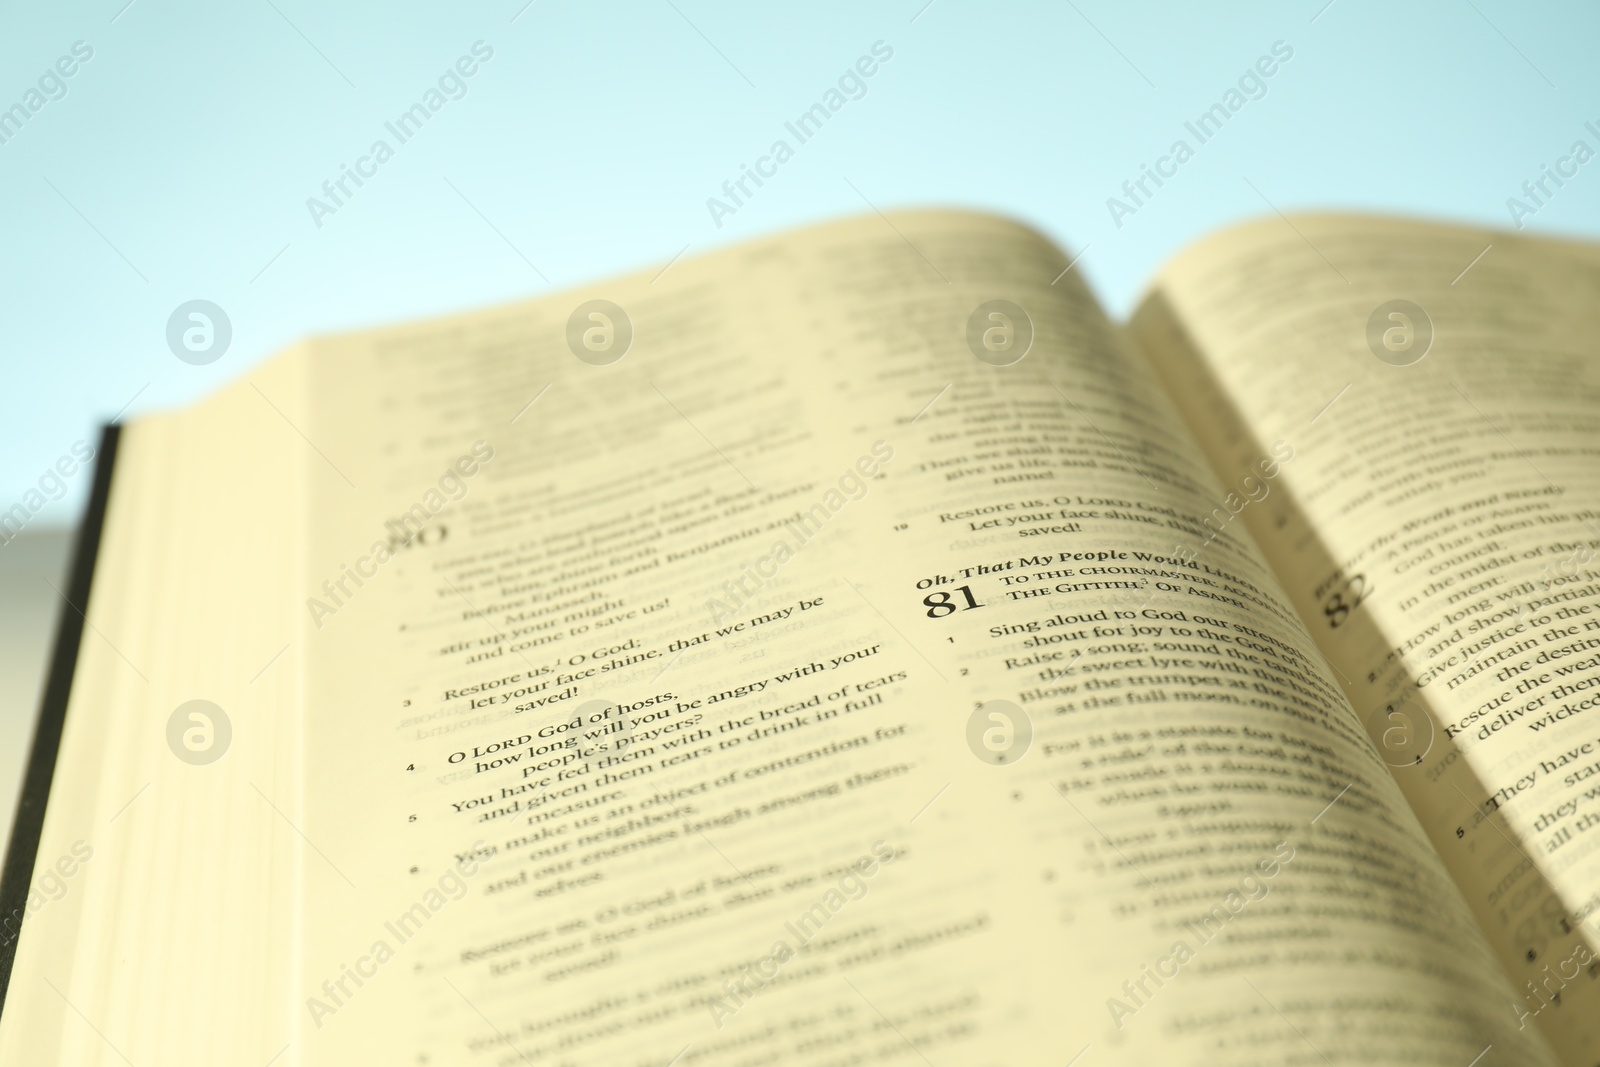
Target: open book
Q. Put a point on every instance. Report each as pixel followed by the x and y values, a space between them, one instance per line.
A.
pixel 848 647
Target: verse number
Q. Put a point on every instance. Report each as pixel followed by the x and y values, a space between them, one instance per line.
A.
pixel 1549 923
pixel 939 604
pixel 1346 598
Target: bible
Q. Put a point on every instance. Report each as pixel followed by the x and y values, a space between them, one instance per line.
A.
pixel 850 646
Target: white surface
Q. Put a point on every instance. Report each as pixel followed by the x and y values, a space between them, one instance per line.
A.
pixel 29 612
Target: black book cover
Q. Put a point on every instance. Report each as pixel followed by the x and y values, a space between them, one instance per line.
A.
pixel 16 876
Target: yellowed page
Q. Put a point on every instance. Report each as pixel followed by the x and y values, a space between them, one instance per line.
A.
pixel 1437 528
pixel 167 875
pixel 799 844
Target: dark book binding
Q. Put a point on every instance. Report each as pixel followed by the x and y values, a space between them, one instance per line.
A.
pixel 17 875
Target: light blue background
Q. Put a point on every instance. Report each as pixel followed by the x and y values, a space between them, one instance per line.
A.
pixel 592 139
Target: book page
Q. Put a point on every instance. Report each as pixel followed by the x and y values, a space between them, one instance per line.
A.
pixel 1437 530
pixel 160 926
pixel 789 656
